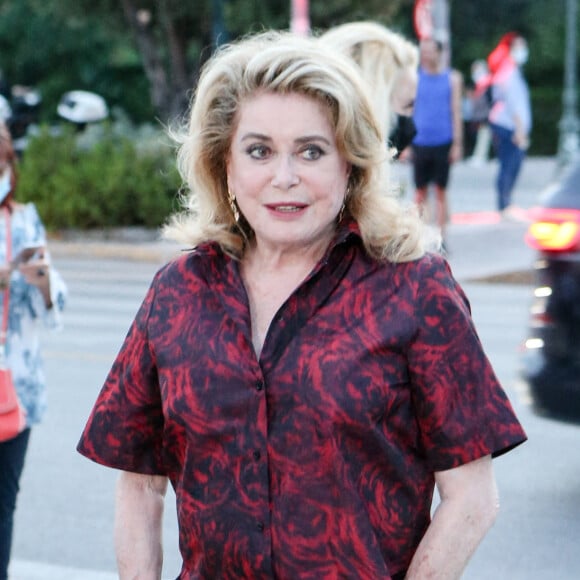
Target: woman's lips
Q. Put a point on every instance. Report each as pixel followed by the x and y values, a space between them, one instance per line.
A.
pixel 286 207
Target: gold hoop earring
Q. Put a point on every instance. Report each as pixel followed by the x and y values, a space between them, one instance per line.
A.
pixel 233 206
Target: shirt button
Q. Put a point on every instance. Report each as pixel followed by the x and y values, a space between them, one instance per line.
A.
pixel 259 385
pixel 257 455
pixel 260 526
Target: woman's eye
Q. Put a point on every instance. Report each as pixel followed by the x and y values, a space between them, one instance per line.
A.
pixel 312 152
pixel 258 151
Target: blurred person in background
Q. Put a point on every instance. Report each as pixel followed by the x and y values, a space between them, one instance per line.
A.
pixel 439 122
pixel 481 100
pixel 388 63
pixel 510 117
pixel 307 374
pixel 36 294
pixel 26 104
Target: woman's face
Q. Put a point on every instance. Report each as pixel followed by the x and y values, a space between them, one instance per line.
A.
pixel 519 51
pixel 285 170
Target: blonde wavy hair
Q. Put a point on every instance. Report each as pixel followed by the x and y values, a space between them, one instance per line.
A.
pixel 380 54
pixel 282 63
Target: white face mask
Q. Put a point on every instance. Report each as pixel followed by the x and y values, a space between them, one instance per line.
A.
pixel 520 55
pixel 478 74
pixel 5 184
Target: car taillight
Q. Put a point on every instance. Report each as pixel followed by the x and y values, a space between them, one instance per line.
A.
pixel 554 230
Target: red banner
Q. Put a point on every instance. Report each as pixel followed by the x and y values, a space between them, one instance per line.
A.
pixel 423 18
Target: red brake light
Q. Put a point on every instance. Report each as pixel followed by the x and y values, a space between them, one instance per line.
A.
pixel 554 230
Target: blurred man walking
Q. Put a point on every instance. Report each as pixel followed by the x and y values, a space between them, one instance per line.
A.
pixel 439 139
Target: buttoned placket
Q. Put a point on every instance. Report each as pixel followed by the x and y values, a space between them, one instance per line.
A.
pixel 256 472
pixel 258 456
pixel 257 443
pixel 285 324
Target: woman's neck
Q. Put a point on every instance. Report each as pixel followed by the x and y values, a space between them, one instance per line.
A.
pixel 265 257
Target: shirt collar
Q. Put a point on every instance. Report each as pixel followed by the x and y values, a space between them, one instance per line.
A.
pixel 346 229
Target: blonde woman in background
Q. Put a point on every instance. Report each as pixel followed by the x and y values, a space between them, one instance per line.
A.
pixel 388 64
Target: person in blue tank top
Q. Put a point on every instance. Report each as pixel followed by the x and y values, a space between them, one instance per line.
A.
pixel 438 119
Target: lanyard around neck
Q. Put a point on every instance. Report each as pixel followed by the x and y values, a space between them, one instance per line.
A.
pixel 4 329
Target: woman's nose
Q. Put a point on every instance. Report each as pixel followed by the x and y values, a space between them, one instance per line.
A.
pixel 285 175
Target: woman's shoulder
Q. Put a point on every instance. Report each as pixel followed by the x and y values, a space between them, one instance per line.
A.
pixel 431 267
pixel 191 264
pixel 26 209
pixel 427 262
pixel 23 206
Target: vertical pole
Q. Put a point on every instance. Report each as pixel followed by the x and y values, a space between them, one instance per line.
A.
pixel 219 32
pixel 569 125
pixel 300 17
pixel 441 28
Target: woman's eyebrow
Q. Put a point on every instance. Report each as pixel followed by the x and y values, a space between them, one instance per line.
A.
pixel 310 138
pixel 304 139
pixel 258 136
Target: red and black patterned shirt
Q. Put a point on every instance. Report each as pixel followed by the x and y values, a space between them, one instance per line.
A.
pixel 317 460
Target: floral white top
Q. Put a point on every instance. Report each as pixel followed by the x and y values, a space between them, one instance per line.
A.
pixel 26 309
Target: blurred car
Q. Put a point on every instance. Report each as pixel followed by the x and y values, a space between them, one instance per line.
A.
pixel 551 361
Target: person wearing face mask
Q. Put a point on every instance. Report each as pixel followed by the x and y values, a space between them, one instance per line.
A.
pixel 481 100
pixel 36 293
pixel 510 117
pixel 388 64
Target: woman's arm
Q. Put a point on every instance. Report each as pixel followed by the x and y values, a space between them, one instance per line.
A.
pixel 36 272
pixel 138 525
pixel 50 299
pixel 517 105
pixel 456 152
pixel 468 508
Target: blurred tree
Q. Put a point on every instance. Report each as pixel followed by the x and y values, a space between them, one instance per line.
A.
pixel 45 46
pixel 59 45
pixel 174 38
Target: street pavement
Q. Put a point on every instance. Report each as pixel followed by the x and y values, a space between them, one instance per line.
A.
pixel 480 245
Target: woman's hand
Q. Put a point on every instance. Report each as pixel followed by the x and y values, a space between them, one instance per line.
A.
pixel 4 277
pixel 521 140
pixel 37 273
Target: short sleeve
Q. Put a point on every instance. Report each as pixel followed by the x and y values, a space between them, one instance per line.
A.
pixel 125 427
pixel 462 411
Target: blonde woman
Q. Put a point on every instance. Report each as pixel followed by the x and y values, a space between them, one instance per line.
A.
pixel 306 374
pixel 388 63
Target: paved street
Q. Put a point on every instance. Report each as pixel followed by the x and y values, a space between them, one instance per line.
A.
pixel 536 534
pixel 65 513
pixel 64 520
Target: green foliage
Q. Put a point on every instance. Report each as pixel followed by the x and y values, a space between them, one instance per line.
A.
pixel 112 182
pixel 323 15
pixel 547 110
pixel 61 45
pixel 39 47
